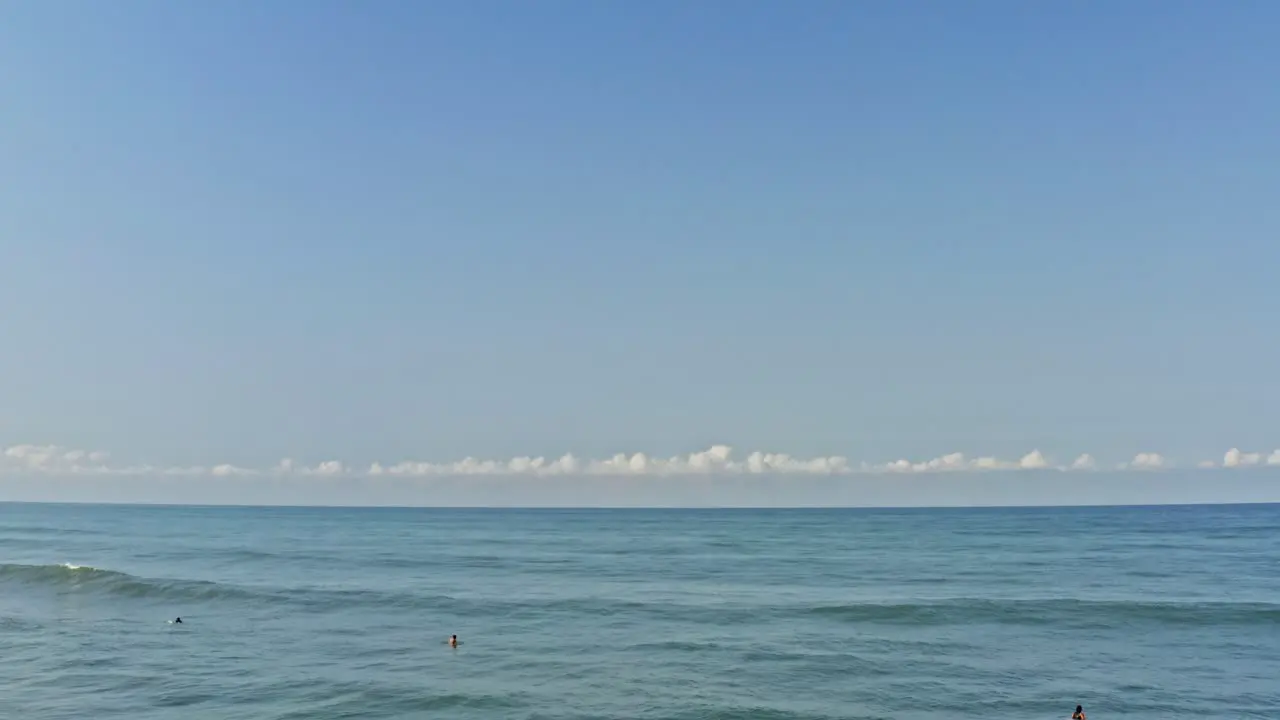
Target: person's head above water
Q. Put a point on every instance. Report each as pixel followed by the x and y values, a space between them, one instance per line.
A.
pixel 177 620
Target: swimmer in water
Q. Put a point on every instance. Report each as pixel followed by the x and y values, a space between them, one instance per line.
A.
pixel 1078 714
pixel 177 621
pixel 453 641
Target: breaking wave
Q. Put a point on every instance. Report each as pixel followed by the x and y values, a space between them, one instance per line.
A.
pixel 68 578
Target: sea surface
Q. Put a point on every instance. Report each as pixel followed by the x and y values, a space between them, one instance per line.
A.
pixel 1138 613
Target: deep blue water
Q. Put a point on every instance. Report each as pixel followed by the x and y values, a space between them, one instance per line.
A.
pixel 342 613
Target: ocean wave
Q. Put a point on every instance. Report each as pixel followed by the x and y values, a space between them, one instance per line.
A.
pixel 676 646
pixel 1053 612
pixel 755 712
pixel 69 577
pixel 382 699
pixel 1097 614
pixel 44 531
pixel 18 624
pixel 958 611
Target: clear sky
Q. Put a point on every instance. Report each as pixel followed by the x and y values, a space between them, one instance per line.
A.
pixel 360 232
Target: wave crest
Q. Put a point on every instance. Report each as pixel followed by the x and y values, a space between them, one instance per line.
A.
pixel 68 577
pixel 1092 613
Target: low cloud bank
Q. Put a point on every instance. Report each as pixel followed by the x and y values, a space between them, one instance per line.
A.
pixel 716 460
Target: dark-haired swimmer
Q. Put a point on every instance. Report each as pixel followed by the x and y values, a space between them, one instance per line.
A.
pixel 453 641
pixel 1078 714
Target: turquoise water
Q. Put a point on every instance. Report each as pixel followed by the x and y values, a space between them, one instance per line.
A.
pixel 335 613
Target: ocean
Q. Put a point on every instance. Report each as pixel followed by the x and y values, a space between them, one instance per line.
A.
pixel 292 613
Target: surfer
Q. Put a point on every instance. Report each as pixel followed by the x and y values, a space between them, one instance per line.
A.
pixel 1078 714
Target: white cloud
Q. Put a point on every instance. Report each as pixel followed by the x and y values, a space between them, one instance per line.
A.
pixel 567 464
pixel 957 462
pixel 990 463
pixel 58 460
pixel 51 459
pixel 1234 458
pixel 1084 462
pixel 226 470
pixel 1147 461
pixel 950 462
pixel 1033 460
pixel 715 460
pixel 758 462
pixel 329 467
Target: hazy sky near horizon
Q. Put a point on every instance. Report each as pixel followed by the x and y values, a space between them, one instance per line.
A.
pixel 933 490
pixel 237 232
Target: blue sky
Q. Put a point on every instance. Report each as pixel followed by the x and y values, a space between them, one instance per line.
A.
pixel 234 232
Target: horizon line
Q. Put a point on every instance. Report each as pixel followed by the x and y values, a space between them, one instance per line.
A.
pixel 731 508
